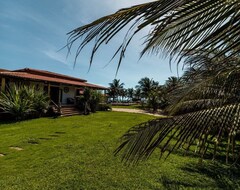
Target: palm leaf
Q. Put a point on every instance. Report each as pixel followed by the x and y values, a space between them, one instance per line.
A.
pixel 218 130
pixel 177 26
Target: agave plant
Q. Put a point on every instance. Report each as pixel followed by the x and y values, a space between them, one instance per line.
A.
pixel 14 101
pixel 21 101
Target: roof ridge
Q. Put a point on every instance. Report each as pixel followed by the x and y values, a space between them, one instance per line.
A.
pixel 57 75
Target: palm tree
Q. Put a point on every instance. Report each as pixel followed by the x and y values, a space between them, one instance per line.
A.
pixel 146 85
pixel 115 88
pixel 180 28
pixel 130 93
pixel 137 94
pixel 172 83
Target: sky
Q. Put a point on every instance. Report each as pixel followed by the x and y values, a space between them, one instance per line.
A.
pixel 32 32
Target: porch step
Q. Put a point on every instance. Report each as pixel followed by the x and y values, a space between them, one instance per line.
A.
pixel 70 110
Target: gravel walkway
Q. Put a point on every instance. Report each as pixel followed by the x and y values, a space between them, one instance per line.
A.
pixel 136 111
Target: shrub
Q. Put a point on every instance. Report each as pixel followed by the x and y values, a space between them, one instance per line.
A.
pixel 104 107
pixel 23 102
pixel 90 101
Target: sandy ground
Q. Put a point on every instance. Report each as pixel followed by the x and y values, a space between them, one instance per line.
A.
pixel 135 111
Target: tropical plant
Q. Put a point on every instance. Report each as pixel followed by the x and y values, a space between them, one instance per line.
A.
pixel 146 85
pixel 210 119
pixel 130 93
pixel 115 89
pixel 137 94
pixel 153 100
pixel 90 101
pixel 95 99
pixel 172 83
pixel 204 117
pixel 22 101
pixel 176 26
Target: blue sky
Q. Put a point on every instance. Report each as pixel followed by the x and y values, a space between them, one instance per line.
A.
pixel 32 32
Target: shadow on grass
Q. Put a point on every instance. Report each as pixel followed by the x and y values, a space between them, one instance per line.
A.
pixel 223 177
pixel 2 122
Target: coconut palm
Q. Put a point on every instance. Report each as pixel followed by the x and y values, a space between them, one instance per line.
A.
pixel 209 121
pixel 172 83
pixel 146 85
pixel 137 94
pixel 115 88
pixel 130 93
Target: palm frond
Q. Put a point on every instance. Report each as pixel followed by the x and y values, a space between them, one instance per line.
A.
pixel 177 26
pixel 205 116
pixel 217 132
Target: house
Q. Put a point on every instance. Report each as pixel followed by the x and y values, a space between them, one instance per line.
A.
pixel 62 89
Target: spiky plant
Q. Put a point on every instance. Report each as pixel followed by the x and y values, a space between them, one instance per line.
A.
pixel 21 101
pixel 16 102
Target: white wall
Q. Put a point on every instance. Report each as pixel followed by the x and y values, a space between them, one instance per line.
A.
pixel 70 94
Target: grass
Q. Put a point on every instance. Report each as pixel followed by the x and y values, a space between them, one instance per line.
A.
pixel 136 106
pixel 77 153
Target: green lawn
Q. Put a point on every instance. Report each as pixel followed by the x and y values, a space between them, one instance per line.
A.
pixel 77 153
pixel 137 106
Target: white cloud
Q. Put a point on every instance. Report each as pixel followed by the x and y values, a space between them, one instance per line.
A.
pixel 56 56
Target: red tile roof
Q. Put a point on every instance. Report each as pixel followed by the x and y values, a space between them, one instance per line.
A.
pixel 45 76
pixel 48 73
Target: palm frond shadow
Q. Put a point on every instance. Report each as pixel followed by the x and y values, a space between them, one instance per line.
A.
pixel 225 177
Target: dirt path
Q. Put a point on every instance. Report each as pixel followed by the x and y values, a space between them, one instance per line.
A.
pixel 135 111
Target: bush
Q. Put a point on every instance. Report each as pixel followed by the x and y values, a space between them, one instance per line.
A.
pixel 90 101
pixel 23 102
pixel 104 107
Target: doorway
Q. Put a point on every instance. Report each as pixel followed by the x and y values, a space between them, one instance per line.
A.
pixel 54 94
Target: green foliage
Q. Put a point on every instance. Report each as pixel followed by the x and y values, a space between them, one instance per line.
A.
pixel 175 27
pixel 90 101
pixel 104 107
pixel 153 100
pixel 76 153
pixel 206 107
pixel 115 89
pixel 204 115
pixel 23 102
pixel 95 99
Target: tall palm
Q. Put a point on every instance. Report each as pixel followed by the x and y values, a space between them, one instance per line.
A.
pixel 180 27
pixel 172 83
pixel 130 93
pixel 137 94
pixel 146 85
pixel 115 88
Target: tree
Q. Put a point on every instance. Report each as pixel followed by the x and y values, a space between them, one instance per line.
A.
pixel 137 94
pixel 115 88
pixel 130 93
pixel 172 83
pixel 146 85
pixel 180 28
